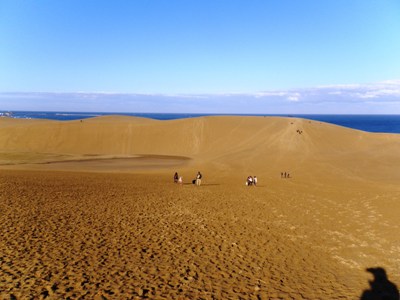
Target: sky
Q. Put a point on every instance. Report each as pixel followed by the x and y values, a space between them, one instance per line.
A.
pixel 209 56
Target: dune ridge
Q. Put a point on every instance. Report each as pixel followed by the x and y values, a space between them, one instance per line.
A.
pixel 225 143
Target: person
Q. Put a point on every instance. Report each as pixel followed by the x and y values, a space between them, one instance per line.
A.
pixel 249 180
pixel 180 180
pixel 198 178
pixel 176 177
pixel 255 180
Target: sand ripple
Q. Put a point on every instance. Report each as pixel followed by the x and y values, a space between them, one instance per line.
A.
pixel 110 236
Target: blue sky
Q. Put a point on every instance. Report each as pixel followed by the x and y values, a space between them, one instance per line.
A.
pixel 249 56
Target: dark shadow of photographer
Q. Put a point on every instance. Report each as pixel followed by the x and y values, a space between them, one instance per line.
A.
pixel 380 287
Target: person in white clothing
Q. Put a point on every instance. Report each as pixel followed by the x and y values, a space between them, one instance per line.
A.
pixel 198 178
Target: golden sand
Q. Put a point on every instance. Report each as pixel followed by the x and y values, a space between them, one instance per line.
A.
pixel 89 209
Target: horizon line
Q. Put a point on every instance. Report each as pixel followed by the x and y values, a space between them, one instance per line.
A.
pixel 206 114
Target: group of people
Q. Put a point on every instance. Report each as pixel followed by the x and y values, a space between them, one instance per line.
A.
pixel 197 180
pixel 251 181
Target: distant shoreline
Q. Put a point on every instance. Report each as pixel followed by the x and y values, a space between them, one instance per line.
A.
pixel 369 123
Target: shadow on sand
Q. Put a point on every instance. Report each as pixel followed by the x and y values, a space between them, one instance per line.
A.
pixel 203 184
pixel 380 287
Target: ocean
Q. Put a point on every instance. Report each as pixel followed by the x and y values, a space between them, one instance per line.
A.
pixel 370 123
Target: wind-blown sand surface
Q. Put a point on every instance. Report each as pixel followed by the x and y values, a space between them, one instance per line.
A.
pixel 89 210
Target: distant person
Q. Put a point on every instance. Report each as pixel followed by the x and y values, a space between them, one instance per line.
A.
pixel 255 180
pixel 180 180
pixel 249 181
pixel 176 177
pixel 284 174
pixel 281 174
pixel 198 178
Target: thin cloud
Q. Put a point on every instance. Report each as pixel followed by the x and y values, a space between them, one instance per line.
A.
pixel 294 97
pixel 381 96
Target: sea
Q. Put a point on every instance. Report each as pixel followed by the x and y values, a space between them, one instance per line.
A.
pixel 369 123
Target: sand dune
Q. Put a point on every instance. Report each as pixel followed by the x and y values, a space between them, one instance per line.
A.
pixel 115 226
pixel 230 144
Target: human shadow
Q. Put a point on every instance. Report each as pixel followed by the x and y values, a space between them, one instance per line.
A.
pixel 380 287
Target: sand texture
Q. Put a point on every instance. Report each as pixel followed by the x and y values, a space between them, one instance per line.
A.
pixel 89 210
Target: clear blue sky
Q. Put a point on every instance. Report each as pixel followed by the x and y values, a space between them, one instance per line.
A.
pixel 189 47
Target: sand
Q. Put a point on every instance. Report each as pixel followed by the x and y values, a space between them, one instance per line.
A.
pixel 89 210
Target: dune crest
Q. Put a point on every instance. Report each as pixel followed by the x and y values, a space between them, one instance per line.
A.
pixel 265 145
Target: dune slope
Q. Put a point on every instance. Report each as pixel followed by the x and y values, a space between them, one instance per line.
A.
pixel 262 145
pixel 126 231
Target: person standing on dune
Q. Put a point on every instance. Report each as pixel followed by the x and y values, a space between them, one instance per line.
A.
pixel 198 178
pixel 176 177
